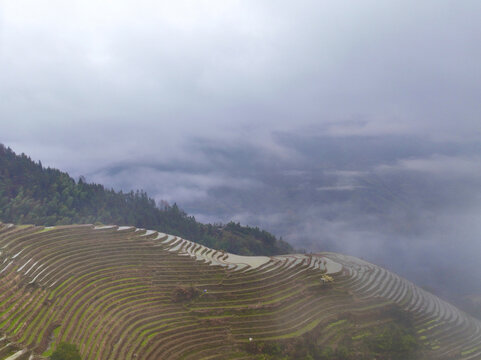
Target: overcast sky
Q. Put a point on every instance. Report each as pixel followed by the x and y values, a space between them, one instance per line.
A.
pixel 126 75
pixel 353 125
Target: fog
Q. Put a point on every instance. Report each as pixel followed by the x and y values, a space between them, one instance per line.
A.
pixel 341 126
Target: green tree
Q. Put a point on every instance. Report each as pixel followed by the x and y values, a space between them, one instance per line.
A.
pixel 65 351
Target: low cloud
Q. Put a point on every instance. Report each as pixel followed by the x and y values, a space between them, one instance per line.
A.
pixel 171 185
pixel 347 126
pixel 338 188
pixel 439 165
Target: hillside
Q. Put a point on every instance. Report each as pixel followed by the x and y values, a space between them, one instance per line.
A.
pixel 32 194
pixel 129 293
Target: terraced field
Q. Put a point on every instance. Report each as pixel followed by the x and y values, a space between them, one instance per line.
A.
pixel 127 293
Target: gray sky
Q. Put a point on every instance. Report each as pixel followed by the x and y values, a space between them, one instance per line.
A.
pixel 347 125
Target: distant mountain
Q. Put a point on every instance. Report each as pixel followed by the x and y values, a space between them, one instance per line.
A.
pixel 125 293
pixel 32 194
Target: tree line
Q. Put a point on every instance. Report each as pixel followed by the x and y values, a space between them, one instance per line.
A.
pixel 33 194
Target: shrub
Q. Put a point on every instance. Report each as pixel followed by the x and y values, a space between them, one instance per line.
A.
pixel 65 351
pixel 185 293
pixel 394 341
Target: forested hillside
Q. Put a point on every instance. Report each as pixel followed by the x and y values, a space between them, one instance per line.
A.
pixel 33 194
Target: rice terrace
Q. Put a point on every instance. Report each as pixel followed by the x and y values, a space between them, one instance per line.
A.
pixel 129 293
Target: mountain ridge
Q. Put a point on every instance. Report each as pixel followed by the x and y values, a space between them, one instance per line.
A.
pixel 33 194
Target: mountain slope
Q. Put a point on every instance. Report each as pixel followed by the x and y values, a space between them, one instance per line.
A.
pixel 32 194
pixel 128 293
